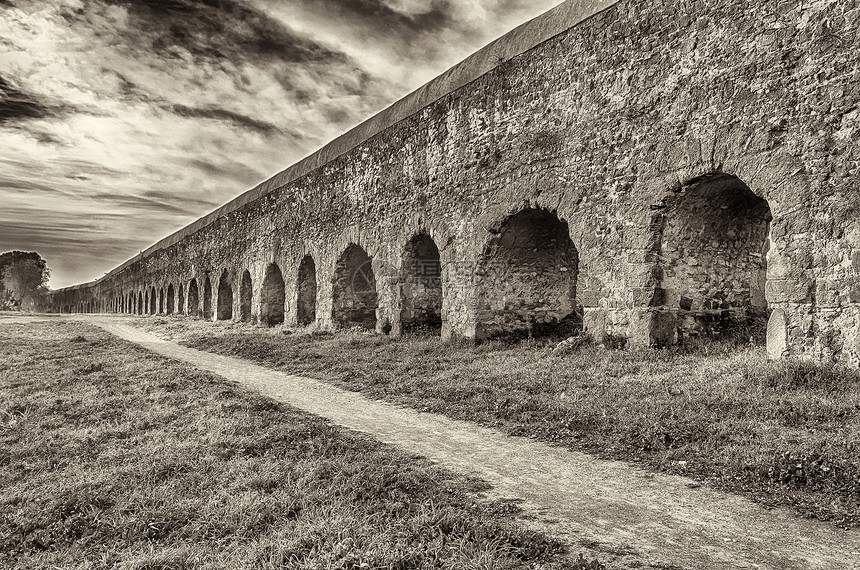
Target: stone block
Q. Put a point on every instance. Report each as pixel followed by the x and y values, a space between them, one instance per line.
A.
pixel 790 290
pixel 649 329
pixel 777 335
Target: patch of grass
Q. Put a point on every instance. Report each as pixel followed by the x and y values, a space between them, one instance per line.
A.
pixel 784 433
pixel 111 456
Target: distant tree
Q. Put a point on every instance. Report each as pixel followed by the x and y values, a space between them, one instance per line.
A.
pixel 23 279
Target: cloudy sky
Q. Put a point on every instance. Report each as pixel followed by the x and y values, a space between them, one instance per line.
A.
pixel 122 121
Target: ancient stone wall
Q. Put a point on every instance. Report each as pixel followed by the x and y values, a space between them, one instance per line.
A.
pixel 700 154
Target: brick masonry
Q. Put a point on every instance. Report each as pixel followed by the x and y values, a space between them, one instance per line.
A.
pixel 606 126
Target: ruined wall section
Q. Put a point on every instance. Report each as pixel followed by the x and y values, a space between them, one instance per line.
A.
pixel 602 124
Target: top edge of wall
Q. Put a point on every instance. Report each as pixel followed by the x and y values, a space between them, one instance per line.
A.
pixel 518 41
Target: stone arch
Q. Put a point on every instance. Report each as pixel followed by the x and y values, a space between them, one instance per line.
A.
pixel 207 297
pixel 354 295
pixel 272 297
pixel 246 291
pixel 171 299
pixel 193 298
pixel 421 290
pixel 306 303
pixel 713 255
pixel 153 301
pixel 526 278
pixel 225 298
pixel 180 299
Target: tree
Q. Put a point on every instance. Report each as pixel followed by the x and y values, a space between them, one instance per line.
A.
pixel 23 279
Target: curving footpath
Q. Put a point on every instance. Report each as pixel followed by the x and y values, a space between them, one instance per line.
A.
pixel 629 517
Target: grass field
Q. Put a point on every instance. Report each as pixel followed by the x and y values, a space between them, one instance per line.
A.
pixel 784 433
pixel 112 457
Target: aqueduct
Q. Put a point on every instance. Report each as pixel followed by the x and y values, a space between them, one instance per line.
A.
pixel 652 170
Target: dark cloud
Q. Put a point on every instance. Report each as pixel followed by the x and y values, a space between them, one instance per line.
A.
pixel 47 138
pixel 226 171
pixel 128 90
pixel 40 236
pixel 237 119
pixel 9 184
pixel 380 17
pixel 154 203
pixel 16 105
pixel 221 29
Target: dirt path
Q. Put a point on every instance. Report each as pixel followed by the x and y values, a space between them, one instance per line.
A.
pixel 628 516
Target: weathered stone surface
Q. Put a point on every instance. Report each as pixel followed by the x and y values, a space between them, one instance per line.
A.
pixel 790 290
pixel 664 149
pixel 777 334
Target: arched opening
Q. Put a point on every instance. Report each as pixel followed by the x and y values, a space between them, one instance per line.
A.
pixel 245 293
pixel 272 297
pixel 140 303
pixel 526 279
pixel 307 292
pixel 713 256
pixel 207 298
pixel 170 299
pixel 422 285
pixel 161 302
pixel 180 300
pixel 354 290
pixel 193 299
pixel 225 298
pixel 153 301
